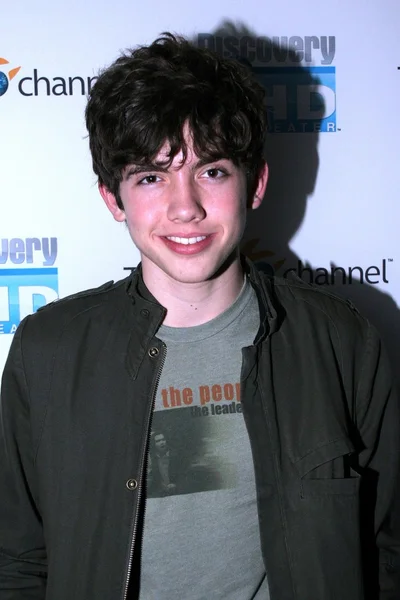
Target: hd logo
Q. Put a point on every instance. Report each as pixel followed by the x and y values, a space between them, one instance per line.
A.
pixel 24 290
pixel 299 97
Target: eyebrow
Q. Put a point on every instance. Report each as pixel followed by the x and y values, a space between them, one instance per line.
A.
pixel 135 169
pixel 157 168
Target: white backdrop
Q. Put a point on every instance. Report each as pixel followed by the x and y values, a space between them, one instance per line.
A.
pixel 350 214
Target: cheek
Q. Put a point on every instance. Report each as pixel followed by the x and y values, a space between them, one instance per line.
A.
pixel 140 218
pixel 229 202
pixel 233 212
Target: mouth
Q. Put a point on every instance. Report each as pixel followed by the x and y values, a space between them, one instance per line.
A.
pixel 188 245
pixel 186 240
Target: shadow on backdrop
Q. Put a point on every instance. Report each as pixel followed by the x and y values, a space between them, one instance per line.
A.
pixel 297 116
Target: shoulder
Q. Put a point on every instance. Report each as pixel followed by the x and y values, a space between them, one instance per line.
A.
pixel 306 303
pixel 54 318
pixel 82 301
pixel 318 297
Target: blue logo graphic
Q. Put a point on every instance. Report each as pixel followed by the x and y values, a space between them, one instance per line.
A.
pixel 3 83
pixel 5 78
pixel 22 292
pixel 299 99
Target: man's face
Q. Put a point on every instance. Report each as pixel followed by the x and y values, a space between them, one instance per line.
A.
pixel 160 442
pixel 187 220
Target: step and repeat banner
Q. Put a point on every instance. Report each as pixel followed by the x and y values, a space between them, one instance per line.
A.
pixel 332 78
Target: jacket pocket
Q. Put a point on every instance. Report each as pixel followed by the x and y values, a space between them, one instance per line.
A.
pixel 348 486
pixel 326 471
pixel 324 524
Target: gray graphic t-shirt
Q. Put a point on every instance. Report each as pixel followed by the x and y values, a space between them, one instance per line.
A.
pixel 201 536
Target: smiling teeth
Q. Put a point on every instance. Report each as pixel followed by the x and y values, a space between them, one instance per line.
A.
pixel 181 240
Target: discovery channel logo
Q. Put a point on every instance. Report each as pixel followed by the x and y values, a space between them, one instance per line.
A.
pixel 300 94
pixel 272 264
pixel 25 289
pixel 36 84
pixel 335 274
pixel 6 77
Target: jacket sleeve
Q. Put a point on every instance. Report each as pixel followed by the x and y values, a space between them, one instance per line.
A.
pixel 378 420
pixel 23 565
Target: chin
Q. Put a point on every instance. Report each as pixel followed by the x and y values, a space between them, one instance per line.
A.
pixel 191 276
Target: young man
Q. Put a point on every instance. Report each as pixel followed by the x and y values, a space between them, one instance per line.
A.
pixel 274 396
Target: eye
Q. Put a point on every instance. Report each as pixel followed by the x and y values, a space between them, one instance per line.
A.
pixel 148 180
pixel 215 173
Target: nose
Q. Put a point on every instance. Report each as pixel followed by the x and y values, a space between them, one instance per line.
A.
pixel 185 203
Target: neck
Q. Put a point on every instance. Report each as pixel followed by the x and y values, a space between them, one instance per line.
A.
pixel 191 304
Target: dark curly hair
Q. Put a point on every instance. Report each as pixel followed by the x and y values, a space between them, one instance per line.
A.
pixel 145 98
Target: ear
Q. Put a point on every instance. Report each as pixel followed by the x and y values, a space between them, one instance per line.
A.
pixel 261 187
pixel 111 203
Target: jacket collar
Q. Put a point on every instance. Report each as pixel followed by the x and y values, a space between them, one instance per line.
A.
pixel 145 304
pixel 271 312
pixel 143 321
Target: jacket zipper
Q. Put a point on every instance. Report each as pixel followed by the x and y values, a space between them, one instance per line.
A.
pixel 140 485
